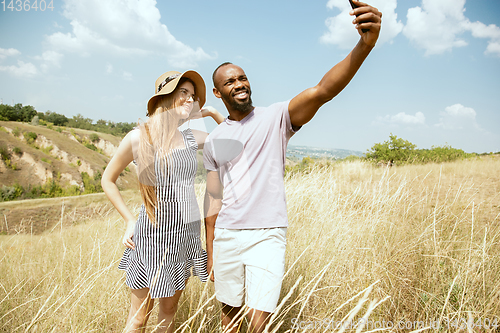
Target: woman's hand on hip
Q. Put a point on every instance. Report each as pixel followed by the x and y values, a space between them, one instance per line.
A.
pixel 129 233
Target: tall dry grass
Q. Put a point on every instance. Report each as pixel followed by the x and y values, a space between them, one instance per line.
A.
pixel 415 244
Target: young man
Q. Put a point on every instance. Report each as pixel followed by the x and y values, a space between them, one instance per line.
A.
pixel 245 156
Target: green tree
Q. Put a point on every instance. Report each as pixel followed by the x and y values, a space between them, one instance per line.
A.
pixel 17 112
pixel 56 118
pixel 80 121
pixel 395 150
pixel 27 113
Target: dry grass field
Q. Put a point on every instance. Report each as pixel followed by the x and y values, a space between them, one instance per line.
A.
pixel 415 247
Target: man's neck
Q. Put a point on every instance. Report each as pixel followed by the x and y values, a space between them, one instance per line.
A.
pixel 238 115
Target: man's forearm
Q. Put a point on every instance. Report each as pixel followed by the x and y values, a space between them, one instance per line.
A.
pixel 304 106
pixel 211 209
pixel 338 77
pixel 209 232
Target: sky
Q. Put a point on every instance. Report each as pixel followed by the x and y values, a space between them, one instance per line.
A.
pixel 433 78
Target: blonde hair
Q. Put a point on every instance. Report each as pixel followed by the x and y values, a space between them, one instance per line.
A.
pixel 156 139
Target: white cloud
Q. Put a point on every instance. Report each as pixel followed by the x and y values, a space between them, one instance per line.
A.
pixel 491 32
pixel 4 53
pixel 50 59
pixel 127 76
pixel 341 31
pixel 437 27
pixel 401 119
pixel 22 70
pixel 121 27
pixel 458 117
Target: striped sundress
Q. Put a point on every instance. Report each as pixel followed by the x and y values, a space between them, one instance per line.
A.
pixel 165 254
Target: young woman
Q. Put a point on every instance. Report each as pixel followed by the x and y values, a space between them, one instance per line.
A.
pixel 163 244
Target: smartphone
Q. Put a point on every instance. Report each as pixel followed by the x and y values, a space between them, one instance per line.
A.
pixel 354 6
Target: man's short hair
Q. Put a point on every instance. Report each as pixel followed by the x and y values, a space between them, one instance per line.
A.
pixel 215 71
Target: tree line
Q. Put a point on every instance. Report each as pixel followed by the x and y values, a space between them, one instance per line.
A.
pixel 28 114
pixel 395 151
pixel 400 151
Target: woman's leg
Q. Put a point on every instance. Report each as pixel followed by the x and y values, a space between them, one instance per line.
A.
pixel 140 308
pixel 166 312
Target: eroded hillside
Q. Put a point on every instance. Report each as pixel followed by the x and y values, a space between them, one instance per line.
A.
pixel 37 155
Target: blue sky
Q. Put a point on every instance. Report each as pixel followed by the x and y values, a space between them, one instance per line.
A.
pixel 433 78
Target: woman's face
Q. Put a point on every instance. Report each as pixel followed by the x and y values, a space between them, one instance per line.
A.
pixel 184 95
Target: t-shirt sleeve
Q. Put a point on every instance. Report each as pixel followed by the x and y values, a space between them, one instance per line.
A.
pixel 208 156
pixel 288 130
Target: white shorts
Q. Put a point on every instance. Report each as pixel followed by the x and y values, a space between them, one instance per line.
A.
pixel 249 264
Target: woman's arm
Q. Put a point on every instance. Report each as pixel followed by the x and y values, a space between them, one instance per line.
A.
pixel 120 160
pixel 210 111
pixel 200 136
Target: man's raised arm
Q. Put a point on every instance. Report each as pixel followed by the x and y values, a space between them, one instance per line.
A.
pixel 212 206
pixel 304 106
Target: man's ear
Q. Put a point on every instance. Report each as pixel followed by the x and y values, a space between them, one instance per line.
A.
pixel 216 92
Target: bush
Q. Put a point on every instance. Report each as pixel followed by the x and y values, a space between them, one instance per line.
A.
pixel 90 146
pixel 30 137
pixel 17 151
pixel 8 193
pixel 56 118
pixel 47 149
pixel 4 153
pixel 94 137
pixel 400 151
pixel 352 158
pixel 91 185
pixel 394 150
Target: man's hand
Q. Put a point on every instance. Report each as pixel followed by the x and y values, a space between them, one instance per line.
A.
pixel 368 22
pixel 210 266
pixel 304 106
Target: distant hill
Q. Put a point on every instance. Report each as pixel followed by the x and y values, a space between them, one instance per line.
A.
pixel 35 155
pixel 300 152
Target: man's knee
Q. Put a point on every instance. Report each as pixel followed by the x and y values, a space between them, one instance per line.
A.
pixel 258 320
pixel 230 311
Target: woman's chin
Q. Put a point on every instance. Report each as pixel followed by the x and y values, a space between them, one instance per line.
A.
pixel 187 113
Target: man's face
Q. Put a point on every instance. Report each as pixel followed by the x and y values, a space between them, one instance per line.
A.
pixel 231 84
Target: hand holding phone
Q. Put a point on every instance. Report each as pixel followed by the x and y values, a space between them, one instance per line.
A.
pixel 353 7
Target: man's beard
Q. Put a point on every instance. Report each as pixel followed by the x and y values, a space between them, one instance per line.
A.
pixel 242 107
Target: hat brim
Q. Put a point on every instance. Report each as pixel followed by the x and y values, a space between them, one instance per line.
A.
pixel 200 88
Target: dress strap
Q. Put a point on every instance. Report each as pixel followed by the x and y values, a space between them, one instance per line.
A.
pixel 189 139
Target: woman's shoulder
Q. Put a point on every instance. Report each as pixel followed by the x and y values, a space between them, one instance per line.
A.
pixel 195 137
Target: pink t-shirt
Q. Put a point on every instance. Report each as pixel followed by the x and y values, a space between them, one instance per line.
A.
pixel 250 157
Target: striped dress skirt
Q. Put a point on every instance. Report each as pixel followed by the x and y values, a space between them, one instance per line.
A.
pixel 167 253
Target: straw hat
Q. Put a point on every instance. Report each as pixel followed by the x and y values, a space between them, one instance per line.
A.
pixel 168 81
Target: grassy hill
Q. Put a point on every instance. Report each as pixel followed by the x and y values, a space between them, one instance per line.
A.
pixel 37 155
